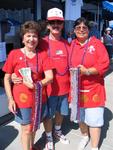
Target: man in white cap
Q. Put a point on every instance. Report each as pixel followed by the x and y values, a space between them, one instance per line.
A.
pixel 58 90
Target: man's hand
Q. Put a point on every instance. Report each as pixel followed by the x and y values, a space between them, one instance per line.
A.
pixel 15 79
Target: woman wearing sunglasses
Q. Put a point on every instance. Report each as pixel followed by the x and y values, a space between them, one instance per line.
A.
pixel 90 56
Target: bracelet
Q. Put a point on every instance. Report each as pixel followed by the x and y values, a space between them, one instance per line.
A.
pixel 88 72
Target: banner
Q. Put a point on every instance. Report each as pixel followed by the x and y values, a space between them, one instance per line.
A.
pixel 73 9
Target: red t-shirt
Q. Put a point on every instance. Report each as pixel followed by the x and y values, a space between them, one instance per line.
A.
pixel 16 60
pixel 92 91
pixel 58 52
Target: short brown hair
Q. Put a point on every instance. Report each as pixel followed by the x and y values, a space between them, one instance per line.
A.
pixel 30 26
pixel 81 20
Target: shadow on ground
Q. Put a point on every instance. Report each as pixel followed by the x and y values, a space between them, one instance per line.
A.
pixel 108 116
pixel 110 70
pixel 6 119
pixel 7 135
pixel 67 126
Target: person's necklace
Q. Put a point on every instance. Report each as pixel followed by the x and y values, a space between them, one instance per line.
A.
pixel 26 54
pixel 85 50
pixel 29 54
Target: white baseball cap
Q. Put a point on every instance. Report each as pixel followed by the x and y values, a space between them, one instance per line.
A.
pixel 108 29
pixel 55 14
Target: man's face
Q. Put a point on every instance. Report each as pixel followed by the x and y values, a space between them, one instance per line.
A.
pixel 55 26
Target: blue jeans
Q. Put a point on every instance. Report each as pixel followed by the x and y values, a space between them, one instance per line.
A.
pixel 23 115
pixel 57 104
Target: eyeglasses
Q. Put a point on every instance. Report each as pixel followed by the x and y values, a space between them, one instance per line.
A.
pixel 84 28
pixel 55 22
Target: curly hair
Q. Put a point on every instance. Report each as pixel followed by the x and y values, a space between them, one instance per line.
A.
pixel 30 26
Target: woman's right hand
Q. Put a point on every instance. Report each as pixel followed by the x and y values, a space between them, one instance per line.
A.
pixel 15 79
pixel 28 83
pixel 12 106
pixel 83 69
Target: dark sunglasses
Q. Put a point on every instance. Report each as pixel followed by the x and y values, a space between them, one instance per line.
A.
pixel 59 22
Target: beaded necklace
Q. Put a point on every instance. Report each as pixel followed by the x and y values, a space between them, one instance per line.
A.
pixel 26 62
pixel 85 50
pixel 37 107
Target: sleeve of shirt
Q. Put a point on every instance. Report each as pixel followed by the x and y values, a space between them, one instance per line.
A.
pixel 8 66
pixel 102 63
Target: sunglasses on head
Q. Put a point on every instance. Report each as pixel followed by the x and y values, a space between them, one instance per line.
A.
pixel 59 22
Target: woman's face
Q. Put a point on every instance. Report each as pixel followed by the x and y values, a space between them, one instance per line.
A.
pixel 30 40
pixel 81 32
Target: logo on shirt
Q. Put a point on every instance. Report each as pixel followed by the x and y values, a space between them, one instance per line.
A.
pixel 23 97
pixel 20 58
pixel 91 49
pixel 59 52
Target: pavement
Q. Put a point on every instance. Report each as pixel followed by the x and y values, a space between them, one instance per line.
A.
pixel 10 131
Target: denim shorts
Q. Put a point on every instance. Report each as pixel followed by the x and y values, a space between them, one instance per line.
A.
pixel 57 104
pixel 23 115
pixel 93 117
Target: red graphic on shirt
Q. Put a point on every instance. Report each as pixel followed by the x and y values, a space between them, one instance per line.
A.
pixel 23 97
